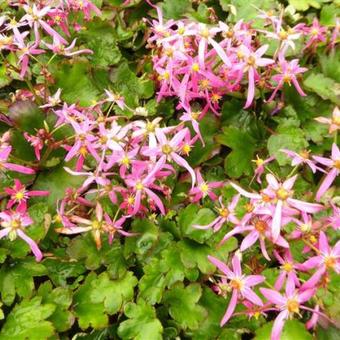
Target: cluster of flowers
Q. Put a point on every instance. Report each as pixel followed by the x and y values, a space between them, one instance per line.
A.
pixel 41 19
pixel 196 61
pixel 128 163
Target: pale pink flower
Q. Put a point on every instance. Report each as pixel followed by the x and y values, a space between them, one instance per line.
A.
pixel 333 164
pixel 226 214
pixel 333 122
pixel 19 195
pixel 239 283
pixel 13 224
pixel 328 258
pixel 301 158
pixel 204 188
pixel 287 304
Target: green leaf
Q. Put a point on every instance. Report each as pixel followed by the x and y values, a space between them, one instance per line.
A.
pixel 328 15
pixel 288 136
pixel 17 278
pixel 83 248
pixel 77 84
pixel 215 305
pixel 192 215
pixel 55 181
pixel 89 314
pixel 175 9
pixel 292 330
pixel 323 86
pixel 183 305
pixel 100 38
pixel 62 318
pixel 27 320
pixel 113 293
pixel 238 161
pixel 303 5
pixel 142 322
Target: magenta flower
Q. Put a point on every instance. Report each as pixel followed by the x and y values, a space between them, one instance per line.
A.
pixel 301 158
pixel 260 166
pixel 333 122
pixel 316 34
pixel 239 283
pixel 4 154
pixel 258 229
pixel 283 195
pixel 250 62
pixel 226 214
pixel 203 188
pixel 333 164
pixel 168 150
pixel 288 72
pixel 19 195
pixel 327 258
pixel 287 304
pixel 287 270
pixel 14 224
pixel 34 18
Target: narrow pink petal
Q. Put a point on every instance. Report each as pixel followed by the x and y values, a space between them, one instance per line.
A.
pixel 289 183
pixel 327 182
pixel 156 199
pixel 230 309
pixel 4 232
pixel 182 162
pixel 323 243
pixel 272 181
pixel 249 240
pixel 278 325
pixel 273 296
pixel 335 152
pixel 253 280
pixel 236 263
pixel 34 247
pixel 19 168
pixel 251 296
pixel 221 266
pixel 137 202
pixel 276 223
pixel 305 206
pixel 306 295
pixel 290 287
pixel 251 87
pixel 244 192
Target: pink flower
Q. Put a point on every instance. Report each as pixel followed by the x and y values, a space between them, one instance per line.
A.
pixel 327 258
pixel 334 122
pixel 19 195
pixel 283 194
pixel 333 164
pixel 226 214
pixel 260 166
pixel 250 62
pixel 301 158
pixel 53 100
pixel 14 224
pixel 168 150
pixel 258 229
pixel 288 304
pixel 203 188
pixel 316 34
pixel 288 72
pixel 287 270
pixel 58 48
pixel 4 154
pixel 239 283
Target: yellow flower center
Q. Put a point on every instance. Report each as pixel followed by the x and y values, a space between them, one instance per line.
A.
pixel 19 195
pixel 288 267
pixel 251 61
pixel 314 31
pixel 282 194
pixel 204 33
pixel 139 186
pixel 167 149
pixel 336 120
pixel 181 30
pixel 304 154
pixel 195 115
pixel 130 200
pixel 283 35
pixel 186 148
pixel 125 160
pixel 287 78
pixel 236 284
pixel 96 224
pixel 83 151
pixel 293 306
pixel 204 187
pixel 195 67
pixel 261 226
pixel 305 227
pixel 224 212
pixel 16 224
pixel 337 164
pixel 313 239
pixel 330 262
pixel 204 84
